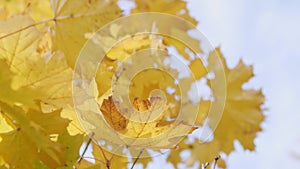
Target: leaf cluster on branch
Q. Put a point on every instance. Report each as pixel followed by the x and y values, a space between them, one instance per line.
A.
pixel 40 41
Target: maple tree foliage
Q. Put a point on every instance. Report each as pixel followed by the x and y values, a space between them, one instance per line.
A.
pixel 40 41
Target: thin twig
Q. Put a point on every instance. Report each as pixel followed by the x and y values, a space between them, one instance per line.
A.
pixel 216 160
pixel 102 151
pixel 111 157
pixel 86 147
pixel 204 166
pixel 138 157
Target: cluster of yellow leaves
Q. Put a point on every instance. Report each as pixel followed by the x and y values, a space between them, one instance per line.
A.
pixel 29 141
pixel 39 44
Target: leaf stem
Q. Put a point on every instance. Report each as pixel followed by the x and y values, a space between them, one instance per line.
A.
pixel 104 156
pixel 138 157
pixel 204 166
pixel 86 147
pixel 216 160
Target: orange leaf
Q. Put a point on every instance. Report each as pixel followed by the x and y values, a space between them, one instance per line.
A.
pixel 112 115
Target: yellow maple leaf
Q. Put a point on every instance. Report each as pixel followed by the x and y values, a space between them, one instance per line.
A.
pixel 242 114
pixel 18 47
pixel 52 77
pixel 74 18
pixel 241 118
pixel 179 30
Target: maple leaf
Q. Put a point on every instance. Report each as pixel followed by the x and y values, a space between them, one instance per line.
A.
pixel 30 140
pixel 112 115
pixel 242 113
pixel 74 18
pixel 20 46
pixel 241 119
pixel 173 7
pixel 51 78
